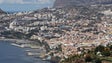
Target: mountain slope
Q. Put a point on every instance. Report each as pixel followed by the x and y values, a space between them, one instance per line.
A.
pixel 63 3
pixel 2 12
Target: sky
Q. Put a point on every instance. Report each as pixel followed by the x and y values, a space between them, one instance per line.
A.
pixel 24 5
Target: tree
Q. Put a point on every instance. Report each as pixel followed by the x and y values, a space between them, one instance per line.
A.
pixel 99 48
pixel 110 47
pixel 106 53
pixel 98 60
pixel 87 58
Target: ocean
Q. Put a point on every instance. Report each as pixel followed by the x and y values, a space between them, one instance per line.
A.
pixel 13 54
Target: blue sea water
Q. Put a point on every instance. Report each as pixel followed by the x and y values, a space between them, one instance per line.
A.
pixel 12 54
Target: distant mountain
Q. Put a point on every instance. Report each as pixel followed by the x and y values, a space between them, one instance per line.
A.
pixel 2 12
pixel 63 3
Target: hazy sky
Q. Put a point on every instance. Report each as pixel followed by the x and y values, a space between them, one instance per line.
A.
pixel 24 5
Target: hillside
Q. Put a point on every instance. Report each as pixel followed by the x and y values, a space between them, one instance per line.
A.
pixel 2 12
pixel 63 3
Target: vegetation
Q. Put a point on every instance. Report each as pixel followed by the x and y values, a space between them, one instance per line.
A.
pixel 98 55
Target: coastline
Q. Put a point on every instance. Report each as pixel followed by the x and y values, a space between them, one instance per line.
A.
pixel 16 40
pixel 34 51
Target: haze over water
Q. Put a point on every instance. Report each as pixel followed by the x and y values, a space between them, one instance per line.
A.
pixel 24 5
